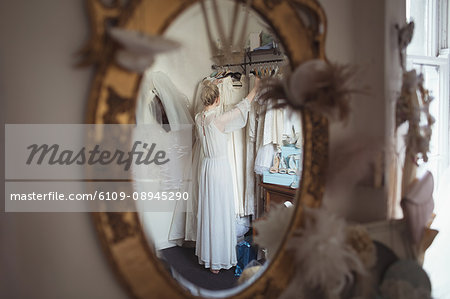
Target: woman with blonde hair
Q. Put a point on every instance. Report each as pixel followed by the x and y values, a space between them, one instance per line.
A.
pixel 216 235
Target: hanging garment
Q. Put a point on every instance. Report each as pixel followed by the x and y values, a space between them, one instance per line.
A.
pixel 184 221
pixel 263 148
pixel 261 116
pixel 253 203
pixel 160 103
pixel 273 127
pixel 251 190
pixel 250 148
pixel 292 121
pixel 174 102
pixel 216 229
pixel 264 158
pixel 229 97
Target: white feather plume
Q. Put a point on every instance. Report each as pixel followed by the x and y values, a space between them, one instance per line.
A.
pixel 270 230
pixel 320 86
pixel 324 261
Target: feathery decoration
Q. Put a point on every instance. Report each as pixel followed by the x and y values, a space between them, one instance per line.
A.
pixel 320 86
pixel 413 107
pixel 270 229
pixel 324 260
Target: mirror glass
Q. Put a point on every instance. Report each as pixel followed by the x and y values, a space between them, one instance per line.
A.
pixel 245 157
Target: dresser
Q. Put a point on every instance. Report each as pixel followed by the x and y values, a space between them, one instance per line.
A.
pixel 276 194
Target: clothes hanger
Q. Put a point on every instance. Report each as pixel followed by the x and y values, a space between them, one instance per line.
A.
pixel 236 78
pixel 220 73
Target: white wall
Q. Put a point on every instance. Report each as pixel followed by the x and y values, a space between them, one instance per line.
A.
pixel 58 255
pixel 362 33
pixel 47 255
pixel 188 65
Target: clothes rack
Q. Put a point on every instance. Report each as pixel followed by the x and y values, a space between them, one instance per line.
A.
pixel 248 59
pixel 215 66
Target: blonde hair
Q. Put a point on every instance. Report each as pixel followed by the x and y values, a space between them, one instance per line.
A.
pixel 210 93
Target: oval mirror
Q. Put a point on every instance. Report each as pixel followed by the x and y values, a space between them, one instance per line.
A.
pixel 245 157
pixel 233 156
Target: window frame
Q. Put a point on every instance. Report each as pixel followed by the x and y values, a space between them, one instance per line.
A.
pixel 438 56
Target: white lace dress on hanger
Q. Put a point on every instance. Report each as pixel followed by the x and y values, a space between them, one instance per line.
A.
pixel 216 233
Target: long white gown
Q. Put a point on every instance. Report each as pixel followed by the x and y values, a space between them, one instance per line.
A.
pixel 216 233
pixel 175 105
pixel 229 97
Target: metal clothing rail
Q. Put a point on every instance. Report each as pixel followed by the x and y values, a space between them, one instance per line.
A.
pixel 243 64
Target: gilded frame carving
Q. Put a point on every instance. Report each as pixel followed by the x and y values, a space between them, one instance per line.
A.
pixel 301 27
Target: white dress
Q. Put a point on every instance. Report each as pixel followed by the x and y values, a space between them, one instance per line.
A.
pixel 229 97
pixel 216 233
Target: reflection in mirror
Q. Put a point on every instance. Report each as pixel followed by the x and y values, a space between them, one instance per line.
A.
pixel 245 157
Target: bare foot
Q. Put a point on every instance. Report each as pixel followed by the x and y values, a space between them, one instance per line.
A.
pixel 214 271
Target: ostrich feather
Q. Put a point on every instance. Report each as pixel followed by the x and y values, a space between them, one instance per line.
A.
pixel 317 85
pixel 324 260
pixel 323 87
pixel 270 230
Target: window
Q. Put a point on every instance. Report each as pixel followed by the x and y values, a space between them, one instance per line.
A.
pixel 428 53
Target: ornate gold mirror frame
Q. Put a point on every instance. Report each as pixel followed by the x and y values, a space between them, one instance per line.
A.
pixel 300 26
